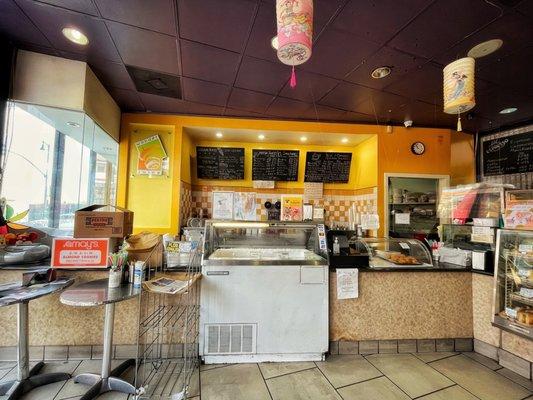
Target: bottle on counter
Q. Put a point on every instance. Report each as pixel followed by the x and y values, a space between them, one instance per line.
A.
pixel 336 247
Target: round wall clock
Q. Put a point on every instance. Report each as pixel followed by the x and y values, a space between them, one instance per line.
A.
pixel 418 148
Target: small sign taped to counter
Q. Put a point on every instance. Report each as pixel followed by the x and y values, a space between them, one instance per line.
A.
pixel 347 283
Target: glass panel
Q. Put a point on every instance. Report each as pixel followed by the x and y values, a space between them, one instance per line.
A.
pixel 56 162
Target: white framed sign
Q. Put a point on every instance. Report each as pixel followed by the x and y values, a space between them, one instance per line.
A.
pixel 223 205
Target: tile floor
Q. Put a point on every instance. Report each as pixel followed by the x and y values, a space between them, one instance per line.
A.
pixel 424 376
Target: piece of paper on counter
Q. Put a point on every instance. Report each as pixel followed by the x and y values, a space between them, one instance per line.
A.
pixel 347 283
pixel 402 218
pixel 369 221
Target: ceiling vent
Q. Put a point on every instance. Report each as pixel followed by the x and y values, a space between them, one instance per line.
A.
pixel 157 83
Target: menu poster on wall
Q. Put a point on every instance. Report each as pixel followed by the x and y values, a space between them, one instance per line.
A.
pixel 275 165
pixel 327 167
pixel 224 163
pixel 292 207
pixel 223 205
pixel 151 156
pixel 244 206
pixel 507 155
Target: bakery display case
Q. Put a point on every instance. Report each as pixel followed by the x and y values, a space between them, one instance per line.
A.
pixel 391 253
pixel 513 295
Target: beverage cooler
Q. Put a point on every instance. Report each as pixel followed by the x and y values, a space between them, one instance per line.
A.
pixel 264 292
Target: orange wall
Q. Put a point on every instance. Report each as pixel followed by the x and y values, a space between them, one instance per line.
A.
pixel 394 152
pixel 463 160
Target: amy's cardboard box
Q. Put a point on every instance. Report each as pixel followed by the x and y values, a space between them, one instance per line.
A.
pixel 82 253
pixel 101 221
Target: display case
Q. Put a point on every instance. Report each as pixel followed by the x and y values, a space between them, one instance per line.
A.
pixel 390 253
pixel 351 252
pixel 513 295
pixel 264 243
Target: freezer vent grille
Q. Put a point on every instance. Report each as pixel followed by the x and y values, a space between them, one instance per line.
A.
pixel 230 339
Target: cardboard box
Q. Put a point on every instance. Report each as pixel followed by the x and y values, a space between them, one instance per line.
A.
pixel 82 253
pixel 103 221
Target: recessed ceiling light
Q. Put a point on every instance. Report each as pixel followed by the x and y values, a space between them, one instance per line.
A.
pixel 261 137
pixel 75 36
pixel 381 72
pixel 303 138
pixel 219 134
pixel 73 124
pixel 344 140
pixel 485 48
pixel 508 110
pixel 274 43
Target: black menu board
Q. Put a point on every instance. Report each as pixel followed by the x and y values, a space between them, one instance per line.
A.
pixel 275 165
pixel 327 167
pixel 508 155
pixel 224 163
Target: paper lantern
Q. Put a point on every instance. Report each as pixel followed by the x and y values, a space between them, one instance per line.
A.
pixel 295 32
pixel 459 95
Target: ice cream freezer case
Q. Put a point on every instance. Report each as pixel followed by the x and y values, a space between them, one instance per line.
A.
pixel 264 295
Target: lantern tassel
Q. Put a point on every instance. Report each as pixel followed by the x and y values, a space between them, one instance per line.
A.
pixel 459 126
pixel 293 78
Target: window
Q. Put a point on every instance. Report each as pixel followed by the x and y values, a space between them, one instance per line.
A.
pixel 55 162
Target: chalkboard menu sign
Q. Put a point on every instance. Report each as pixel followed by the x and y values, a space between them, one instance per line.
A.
pixel 224 163
pixel 275 165
pixel 327 167
pixel 508 155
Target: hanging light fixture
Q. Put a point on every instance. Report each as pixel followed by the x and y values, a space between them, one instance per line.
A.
pixel 459 94
pixel 295 32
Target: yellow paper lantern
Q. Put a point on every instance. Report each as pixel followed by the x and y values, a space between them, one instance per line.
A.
pixel 459 93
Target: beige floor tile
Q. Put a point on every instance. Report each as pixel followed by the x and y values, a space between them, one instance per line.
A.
pixel 379 389
pixel 194 384
pixel 480 358
pixel 479 380
pixel 46 392
pixel 434 356
pixel 451 393
pixel 207 367
pixel 409 373
pixel 235 382
pixel 345 370
pixel 527 383
pixel 304 385
pixel 271 370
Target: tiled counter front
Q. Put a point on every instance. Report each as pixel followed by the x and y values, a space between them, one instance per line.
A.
pixel 52 323
pixel 404 305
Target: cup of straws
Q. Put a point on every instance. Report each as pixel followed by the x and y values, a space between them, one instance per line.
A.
pixel 117 263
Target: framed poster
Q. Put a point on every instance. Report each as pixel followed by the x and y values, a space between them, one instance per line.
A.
pixel 223 205
pixel 244 206
pixel 152 158
pixel 292 207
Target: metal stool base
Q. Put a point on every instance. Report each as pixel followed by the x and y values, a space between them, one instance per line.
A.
pixel 16 389
pixel 101 385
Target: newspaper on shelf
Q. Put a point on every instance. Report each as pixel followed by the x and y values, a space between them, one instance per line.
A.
pixel 165 285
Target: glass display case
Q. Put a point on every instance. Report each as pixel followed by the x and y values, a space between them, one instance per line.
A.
pixel 513 300
pixel 397 253
pixel 264 243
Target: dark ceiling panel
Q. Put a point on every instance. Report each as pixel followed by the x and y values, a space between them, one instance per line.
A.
pixel 354 117
pixel 443 24
pixel 221 24
pixel 111 74
pixel 400 63
pixel 250 101
pixel 347 50
pixel 128 100
pixel 205 92
pixel 208 63
pixel 263 31
pixel 526 8
pixel 346 96
pixel 309 87
pixel 515 31
pixel 379 20
pixel 420 84
pixel 231 112
pixel 160 104
pixel 287 108
pixel 318 112
pixel 262 76
pixel 156 15
pixel 145 49
pixel 82 6
pixel 14 24
pixel 380 104
pixel 51 20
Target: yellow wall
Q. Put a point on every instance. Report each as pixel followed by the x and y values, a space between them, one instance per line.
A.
pixel 364 152
pixel 463 160
pixel 393 155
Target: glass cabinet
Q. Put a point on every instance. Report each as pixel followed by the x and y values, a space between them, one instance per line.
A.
pixel 513 300
pixel 397 253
